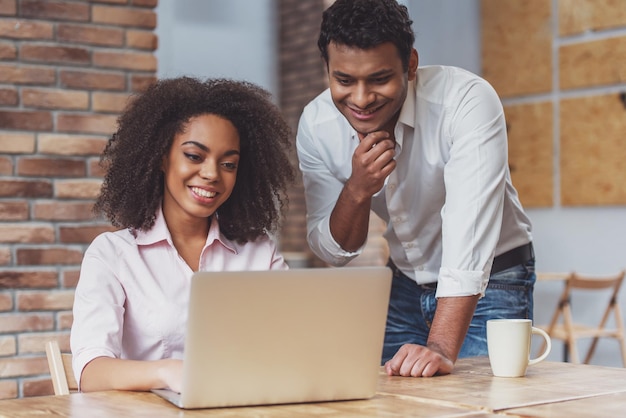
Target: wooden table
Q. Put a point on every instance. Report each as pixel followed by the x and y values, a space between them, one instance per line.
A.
pixel 550 389
pixel 473 386
pixel 116 404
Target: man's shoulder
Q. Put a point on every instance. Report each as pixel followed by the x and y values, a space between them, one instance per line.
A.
pixel 429 73
pixel 444 82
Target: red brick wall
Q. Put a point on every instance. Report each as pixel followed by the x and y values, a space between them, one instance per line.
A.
pixel 66 70
pixel 302 77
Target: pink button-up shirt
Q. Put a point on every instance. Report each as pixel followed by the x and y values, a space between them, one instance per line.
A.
pixel 132 295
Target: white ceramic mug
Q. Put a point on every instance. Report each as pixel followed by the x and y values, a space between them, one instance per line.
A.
pixel 508 342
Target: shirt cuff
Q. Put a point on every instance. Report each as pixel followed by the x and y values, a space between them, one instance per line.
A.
pixel 454 283
pixel 79 361
pixel 338 256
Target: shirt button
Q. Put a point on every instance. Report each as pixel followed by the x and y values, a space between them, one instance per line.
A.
pixel 420 268
pixel 391 186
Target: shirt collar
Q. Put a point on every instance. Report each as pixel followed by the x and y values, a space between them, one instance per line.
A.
pixel 406 117
pixel 159 232
pixel 216 235
pixel 407 112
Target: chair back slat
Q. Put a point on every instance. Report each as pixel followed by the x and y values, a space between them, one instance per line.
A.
pixel 61 372
pixel 577 281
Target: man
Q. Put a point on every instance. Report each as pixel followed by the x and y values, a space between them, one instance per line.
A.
pixel 425 149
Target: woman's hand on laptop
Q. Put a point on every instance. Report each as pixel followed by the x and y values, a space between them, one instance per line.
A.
pixel 171 374
pixel 418 361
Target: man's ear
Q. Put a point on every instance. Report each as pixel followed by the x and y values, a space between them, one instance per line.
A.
pixel 413 62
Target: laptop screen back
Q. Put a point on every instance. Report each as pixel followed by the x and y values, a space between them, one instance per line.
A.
pixel 270 337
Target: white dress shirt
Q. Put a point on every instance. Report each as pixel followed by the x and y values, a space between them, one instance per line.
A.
pixel 449 204
pixel 132 295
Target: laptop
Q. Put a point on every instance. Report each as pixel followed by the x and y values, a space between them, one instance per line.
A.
pixel 283 336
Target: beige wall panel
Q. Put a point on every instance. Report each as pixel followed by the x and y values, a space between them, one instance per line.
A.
pixel 531 152
pixel 593 63
pixel 517 46
pixel 576 16
pixel 593 151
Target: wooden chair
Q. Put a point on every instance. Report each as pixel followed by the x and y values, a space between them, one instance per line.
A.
pixel 563 326
pixel 61 372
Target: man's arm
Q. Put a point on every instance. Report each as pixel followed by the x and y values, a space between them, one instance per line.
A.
pixel 445 339
pixel 450 324
pixel 340 193
pixel 372 162
pixel 475 180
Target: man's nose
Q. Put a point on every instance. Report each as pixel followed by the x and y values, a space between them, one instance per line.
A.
pixel 362 96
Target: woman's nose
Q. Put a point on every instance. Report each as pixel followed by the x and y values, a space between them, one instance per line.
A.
pixel 209 171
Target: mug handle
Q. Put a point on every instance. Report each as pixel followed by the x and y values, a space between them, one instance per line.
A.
pixel 548 346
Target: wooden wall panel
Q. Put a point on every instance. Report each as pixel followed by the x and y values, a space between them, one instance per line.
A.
pixel 593 150
pixel 517 46
pixel 577 16
pixel 593 63
pixel 531 152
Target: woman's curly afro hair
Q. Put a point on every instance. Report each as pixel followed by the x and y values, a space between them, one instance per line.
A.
pixel 133 186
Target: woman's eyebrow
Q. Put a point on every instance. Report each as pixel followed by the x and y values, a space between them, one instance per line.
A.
pixel 206 149
pixel 197 144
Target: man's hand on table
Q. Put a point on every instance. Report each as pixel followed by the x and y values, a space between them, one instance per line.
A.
pixel 418 361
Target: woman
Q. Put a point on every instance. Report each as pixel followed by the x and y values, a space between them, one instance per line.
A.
pixel 196 176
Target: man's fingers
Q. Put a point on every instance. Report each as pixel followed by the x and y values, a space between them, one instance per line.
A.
pixel 417 361
pixel 370 140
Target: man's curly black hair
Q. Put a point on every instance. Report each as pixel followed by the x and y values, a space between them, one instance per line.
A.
pixel 366 24
pixel 133 186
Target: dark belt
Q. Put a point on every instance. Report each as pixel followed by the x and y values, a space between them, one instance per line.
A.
pixel 511 258
pixel 514 257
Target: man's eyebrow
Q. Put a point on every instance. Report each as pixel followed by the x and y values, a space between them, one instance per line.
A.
pixel 380 73
pixel 340 74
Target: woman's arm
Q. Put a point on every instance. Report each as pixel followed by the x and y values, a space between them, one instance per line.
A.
pixel 106 373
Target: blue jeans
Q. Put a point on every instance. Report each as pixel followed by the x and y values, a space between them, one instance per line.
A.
pixel 412 308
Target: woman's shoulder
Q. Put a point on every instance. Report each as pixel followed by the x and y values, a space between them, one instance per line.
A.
pixel 112 242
